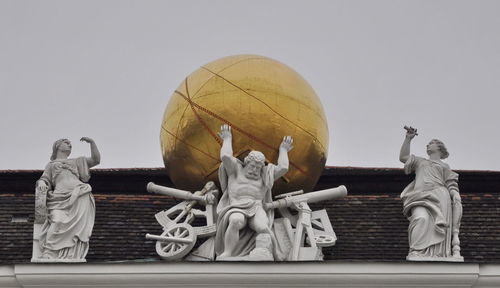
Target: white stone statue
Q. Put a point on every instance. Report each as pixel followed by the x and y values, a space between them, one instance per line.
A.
pixel 65 207
pixel 432 204
pixel 243 225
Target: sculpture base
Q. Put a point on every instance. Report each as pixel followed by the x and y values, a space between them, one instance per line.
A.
pixel 256 256
pixel 41 260
pixel 434 259
pixel 261 252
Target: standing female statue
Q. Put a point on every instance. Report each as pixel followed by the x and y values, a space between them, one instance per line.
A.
pixel 69 204
pixel 432 203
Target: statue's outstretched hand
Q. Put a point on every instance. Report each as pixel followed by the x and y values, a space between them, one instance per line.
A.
pixel 286 144
pixel 86 139
pixel 410 132
pixel 225 132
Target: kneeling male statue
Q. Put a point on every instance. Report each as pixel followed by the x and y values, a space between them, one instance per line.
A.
pixel 243 225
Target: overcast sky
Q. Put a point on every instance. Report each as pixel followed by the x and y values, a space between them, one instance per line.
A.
pixel 106 69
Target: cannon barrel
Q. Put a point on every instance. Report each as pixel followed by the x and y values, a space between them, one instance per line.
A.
pixel 172 192
pixel 311 197
pixel 168 239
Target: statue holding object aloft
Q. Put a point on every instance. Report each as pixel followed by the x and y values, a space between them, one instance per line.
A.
pixel 246 227
pixel 246 186
pixel 64 205
pixel 242 226
pixel 432 204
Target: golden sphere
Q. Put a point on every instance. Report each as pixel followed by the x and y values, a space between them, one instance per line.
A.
pixel 263 100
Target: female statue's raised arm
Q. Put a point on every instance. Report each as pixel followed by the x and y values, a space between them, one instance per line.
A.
pixel 95 156
pixel 404 154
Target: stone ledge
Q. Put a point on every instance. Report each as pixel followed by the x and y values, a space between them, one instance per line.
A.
pixel 240 274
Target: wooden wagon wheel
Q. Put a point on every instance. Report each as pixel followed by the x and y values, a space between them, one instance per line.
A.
pixel 173 250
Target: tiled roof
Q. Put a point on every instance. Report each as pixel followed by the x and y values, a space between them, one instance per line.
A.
pixel 368 222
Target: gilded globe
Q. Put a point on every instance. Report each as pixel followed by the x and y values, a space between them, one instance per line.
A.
pixel 262 100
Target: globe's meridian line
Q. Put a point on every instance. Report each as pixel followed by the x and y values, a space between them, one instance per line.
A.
pixel 235 127
pixel 190 145
pixel 222 70
pixel 268 106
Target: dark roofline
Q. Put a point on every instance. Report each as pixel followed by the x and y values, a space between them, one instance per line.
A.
pixel 98 170
pixel 355 169
pixel 401 169
pixel 358 180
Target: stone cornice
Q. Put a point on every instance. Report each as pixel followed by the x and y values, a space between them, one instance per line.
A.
pixel 311 274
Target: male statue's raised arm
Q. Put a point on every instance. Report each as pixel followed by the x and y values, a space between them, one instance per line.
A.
pixel 285 147
pixel 226 151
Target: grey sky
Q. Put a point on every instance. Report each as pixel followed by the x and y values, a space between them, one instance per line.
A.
pixel 106 69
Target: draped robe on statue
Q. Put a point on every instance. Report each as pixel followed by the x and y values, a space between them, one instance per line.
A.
pixel 429 235
pixel 247 207
pixel 71 210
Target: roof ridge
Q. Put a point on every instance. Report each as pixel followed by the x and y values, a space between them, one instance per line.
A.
pixel 10 171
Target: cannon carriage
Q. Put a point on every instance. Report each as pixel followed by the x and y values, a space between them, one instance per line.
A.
pixel 179 236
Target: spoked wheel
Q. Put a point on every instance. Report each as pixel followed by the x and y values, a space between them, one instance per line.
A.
pixel 325 240
pixel 181 241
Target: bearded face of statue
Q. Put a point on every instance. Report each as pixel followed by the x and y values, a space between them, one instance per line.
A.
pixel 253 170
